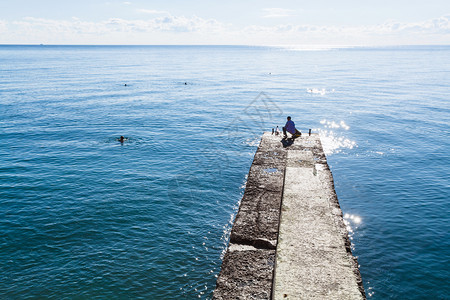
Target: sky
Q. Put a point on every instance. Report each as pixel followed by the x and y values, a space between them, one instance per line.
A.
pixel 231 22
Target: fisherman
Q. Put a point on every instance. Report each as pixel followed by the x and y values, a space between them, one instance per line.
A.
pixel 290 127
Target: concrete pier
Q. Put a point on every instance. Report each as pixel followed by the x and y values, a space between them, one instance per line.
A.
pixel 289 240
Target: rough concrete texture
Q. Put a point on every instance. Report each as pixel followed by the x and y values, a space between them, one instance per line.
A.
pixel 258 218
pixel 246 274
pixel 313 256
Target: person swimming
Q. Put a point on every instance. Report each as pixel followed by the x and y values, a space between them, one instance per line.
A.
pixel 121 139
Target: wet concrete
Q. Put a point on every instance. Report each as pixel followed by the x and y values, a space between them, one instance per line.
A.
pixel 288 240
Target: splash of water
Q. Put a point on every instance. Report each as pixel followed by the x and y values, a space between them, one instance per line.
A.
pixel 253 142
pixel 319 91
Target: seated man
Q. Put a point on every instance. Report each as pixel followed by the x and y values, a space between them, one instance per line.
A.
pixel 290 127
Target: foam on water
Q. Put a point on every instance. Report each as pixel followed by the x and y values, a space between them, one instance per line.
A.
pixel 319 91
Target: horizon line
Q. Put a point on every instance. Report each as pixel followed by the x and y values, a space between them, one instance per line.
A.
pixel 293 46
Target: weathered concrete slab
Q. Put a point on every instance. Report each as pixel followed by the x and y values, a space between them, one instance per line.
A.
pixel 248 265
pixel 288 240
pixel 247 273
pixel 258 217
pixel 312 261
pixel 266 177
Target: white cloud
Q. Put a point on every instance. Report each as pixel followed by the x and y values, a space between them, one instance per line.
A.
pixel 163 23
pixel 162 29
pixel 127 3
pixel 435 26
pixel 170 29
pixel 277 12
pixel 3 25
pixel 389 33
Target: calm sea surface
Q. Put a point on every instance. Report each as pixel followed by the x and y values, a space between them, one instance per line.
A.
pixel 84 216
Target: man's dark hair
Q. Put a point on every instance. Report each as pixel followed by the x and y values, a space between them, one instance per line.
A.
pixel 288 118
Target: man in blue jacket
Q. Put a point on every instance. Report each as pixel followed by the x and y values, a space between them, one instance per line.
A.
pixel 290 127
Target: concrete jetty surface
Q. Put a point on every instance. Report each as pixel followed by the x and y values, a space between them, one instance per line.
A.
pixel 289 240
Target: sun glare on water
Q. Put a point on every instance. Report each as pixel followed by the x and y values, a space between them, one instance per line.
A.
pixel 332 139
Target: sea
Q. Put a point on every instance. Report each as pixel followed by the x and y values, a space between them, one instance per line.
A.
pixel 85 216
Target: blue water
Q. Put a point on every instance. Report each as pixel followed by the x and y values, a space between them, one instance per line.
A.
pixel 84 216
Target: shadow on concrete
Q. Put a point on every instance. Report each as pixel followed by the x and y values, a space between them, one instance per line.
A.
pixel 287 142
